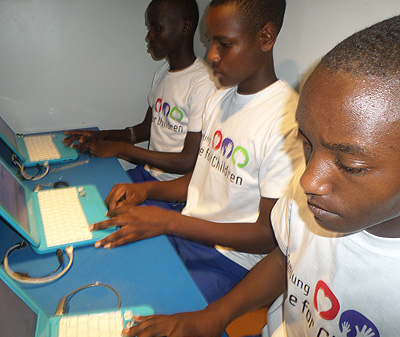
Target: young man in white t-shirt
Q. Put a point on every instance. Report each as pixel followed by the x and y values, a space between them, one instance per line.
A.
pixel 338 227
pixel 180 89
pixel 246 159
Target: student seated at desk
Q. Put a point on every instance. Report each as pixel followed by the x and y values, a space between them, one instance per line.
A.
pixel 247 156
pixel 338 227
pixel 180 88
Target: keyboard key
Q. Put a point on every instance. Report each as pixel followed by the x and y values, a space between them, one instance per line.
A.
pixel 41 148
pixel 63 218
pixel 96 325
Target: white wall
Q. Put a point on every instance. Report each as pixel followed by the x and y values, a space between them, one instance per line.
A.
pixel 313 27
pixel 80 63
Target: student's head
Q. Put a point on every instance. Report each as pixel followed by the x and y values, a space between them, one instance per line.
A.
pixel 242 33
pixel 171 26
pixel 349 121
pixel 254 14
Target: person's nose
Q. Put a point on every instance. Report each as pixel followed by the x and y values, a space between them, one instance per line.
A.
pixel 149 35
pixel 213 55
pixel 317 177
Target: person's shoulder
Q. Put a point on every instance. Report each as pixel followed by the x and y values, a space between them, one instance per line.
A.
pixel 223 93
pixel 283 89
pixel 281 98
pixel 294 198
pixel 162 68
pixel 201 64
pixel 219 95
pixel 278 98
pixel 201 71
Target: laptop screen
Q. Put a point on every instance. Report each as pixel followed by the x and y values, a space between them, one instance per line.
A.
pixel 17 319
pixel 12 197
pixel 8 134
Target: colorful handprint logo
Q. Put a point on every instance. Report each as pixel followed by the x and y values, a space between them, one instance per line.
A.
pixel 354 324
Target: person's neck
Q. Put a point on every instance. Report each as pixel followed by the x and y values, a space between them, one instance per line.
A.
pixel 258 84
pixel 261 79
pixel 181 61
pixel 387 229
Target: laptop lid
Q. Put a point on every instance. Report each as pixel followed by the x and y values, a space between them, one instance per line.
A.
pixel 9 137
pixel 19 206
pixel 19 315
pixel 13 205
pixel 17 145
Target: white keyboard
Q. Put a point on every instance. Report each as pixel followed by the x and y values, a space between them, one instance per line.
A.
pixel 41 148
pixel 108 324
pixel 62 215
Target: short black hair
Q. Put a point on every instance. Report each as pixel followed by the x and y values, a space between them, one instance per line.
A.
pixel 188 9
pixel 256 13
pixel 373 51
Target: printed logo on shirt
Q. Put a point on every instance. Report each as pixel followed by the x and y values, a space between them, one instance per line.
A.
pixel 239 155
pixel 326 305
pixel 222 153
pixel 166 115
pixel 325 302
pixel 354 324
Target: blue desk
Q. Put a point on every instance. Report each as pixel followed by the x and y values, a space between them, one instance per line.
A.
pixel 144 273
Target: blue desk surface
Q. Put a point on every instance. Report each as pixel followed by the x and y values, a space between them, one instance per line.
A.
pixel 144 273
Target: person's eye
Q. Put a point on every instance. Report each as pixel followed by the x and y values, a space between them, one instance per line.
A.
pixel 225 44
pixel 351 170
pixel 307 148
pixel 154 28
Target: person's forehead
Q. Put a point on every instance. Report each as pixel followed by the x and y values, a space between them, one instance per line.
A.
pixel 163 10
pixel 362 97
pixel 224 20
pixel 340 108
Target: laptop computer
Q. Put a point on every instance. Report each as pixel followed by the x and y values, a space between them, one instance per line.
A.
pixel 21 316
pixel 20 207
pixel 18 145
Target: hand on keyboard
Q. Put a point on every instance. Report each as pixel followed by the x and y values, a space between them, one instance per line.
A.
pixel 124 194
pixel 82 136
pixel 195 324
pixel 101 149
pixel 136 223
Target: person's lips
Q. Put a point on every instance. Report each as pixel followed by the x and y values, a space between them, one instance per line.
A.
pixel 216 70
pixel 319 211
pixel 217 73
pixel 150 47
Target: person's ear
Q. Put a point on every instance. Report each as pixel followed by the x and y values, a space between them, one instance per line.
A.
pixel 267 36
pixel 187 26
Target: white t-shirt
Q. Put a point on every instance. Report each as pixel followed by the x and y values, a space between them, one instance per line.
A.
pixel 338 285
pixel 178 99
pixel 248 150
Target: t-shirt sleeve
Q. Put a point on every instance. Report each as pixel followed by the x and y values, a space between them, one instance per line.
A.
pixel 283 154
pixel 282 217
pixel 200 94
pixel 156 78
pixel 280 221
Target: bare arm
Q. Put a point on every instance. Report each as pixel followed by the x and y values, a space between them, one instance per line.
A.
pixel 263 284
pixel 142 132
pixel 133 194
pixel 116 143
pixel 173 162
pixel 257 237
pixel 138 223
